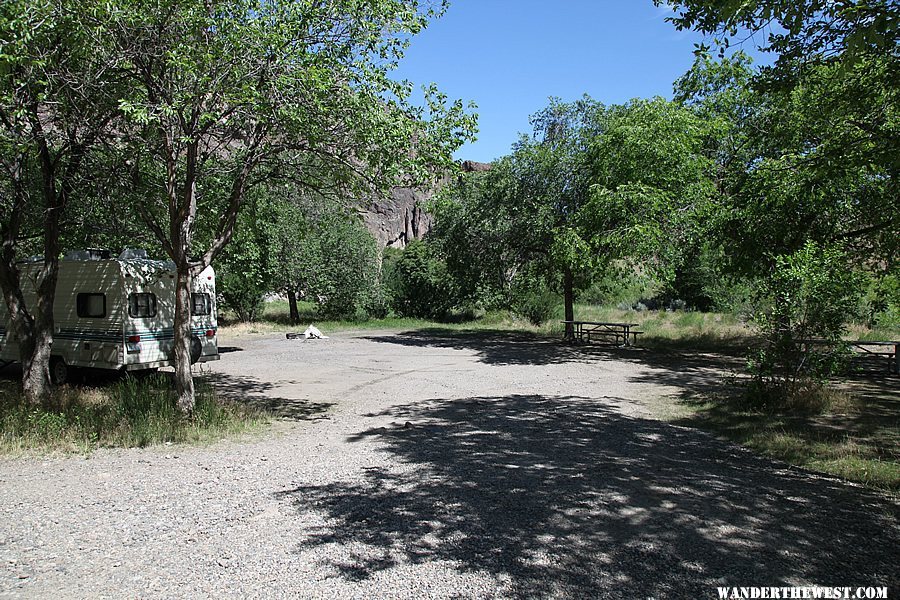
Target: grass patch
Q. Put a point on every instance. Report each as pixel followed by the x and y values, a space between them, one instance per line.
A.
pixel 856 331
pixel 854 433
pixel 678 330
pixel 130 412
pixel 664 330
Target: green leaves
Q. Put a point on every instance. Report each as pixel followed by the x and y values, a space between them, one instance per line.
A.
pixel 799 31
pixel 801 312
pixel 818 161
pixel 591 185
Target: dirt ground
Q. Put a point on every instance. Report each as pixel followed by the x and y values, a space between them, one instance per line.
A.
pixel 434 464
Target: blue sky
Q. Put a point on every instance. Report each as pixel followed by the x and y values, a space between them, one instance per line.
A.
pixel 509 56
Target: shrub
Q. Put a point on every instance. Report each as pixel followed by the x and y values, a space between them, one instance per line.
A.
pixel 419 283
pixel 880 305
pixel 242 296
pixel 801 314
pixel 244 271
pixel 537 304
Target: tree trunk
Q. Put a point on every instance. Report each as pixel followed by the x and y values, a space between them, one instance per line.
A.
pixel 35 357
pixel 33 326
pixel 569 299
pixel 36 382
pixel 34 334
pixel 292 301
pixel 184 381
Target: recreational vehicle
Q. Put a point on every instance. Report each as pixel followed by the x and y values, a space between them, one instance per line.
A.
pixel 119 313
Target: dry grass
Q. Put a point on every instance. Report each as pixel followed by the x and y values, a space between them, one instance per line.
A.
pixel 680 330
pixel 125 413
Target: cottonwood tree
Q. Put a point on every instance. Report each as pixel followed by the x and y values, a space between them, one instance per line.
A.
pixel 807 156
pixel 818 157
pixel 225 94
pixel 800 32
pixel 592 185
pixel 56 105
pixel 519 219
pixel 818 162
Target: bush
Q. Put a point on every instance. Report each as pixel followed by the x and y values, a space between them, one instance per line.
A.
pixel 801 313
pixel 880 305
pixel 379 303
pixel 619 284
pixel 419 283
pixel 244 270
pixel 339 260
pixel 241 296
pixel 537 304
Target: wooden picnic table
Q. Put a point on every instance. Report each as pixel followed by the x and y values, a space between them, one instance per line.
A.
pixel 620 334
pixel 870 353
pixel 879 351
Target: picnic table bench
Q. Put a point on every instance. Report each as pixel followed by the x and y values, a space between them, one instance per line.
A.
pixel 877 354
pixel 619 334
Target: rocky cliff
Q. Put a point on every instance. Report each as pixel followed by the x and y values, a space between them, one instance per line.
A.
pixel 401 218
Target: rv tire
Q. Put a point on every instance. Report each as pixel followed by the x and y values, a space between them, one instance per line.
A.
pixel 59 371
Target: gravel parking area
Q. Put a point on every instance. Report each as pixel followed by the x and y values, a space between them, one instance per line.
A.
pixel 427 464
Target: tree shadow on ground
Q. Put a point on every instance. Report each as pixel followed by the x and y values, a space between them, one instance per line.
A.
pixel 498 347
pixel 702 380
pixel 566 497
pixel 257 394
pixel 868 429
pixel 697 370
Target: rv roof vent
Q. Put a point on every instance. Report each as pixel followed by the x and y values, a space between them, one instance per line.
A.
pixel 130 253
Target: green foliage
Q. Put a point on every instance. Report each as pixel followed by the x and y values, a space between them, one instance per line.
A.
pixel 798 31
pixel 297 90
pixel 246 270
pixel 619 283
pixel 812 156
pixel 337 266
pixel 288 242
pixel 802 311
pixel 419 283
pixel 592 186
pixel 704 281
pixel 880 303
pixel 535 302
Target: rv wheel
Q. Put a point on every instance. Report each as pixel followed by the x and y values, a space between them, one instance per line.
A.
pixel 59 371
pixel 196 349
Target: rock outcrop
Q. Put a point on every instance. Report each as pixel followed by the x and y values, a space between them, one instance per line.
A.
pixel 398 220
pixel 401 218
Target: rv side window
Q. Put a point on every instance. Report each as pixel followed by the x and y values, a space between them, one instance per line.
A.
pixel 200 304
pixel 91 306
pixel 141 305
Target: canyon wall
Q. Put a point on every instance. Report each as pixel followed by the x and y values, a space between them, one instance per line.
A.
pixel 401 218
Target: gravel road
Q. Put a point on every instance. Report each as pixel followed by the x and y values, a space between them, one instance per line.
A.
pixel 434 465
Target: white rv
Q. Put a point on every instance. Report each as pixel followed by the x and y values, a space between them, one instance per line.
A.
pixel 119 314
